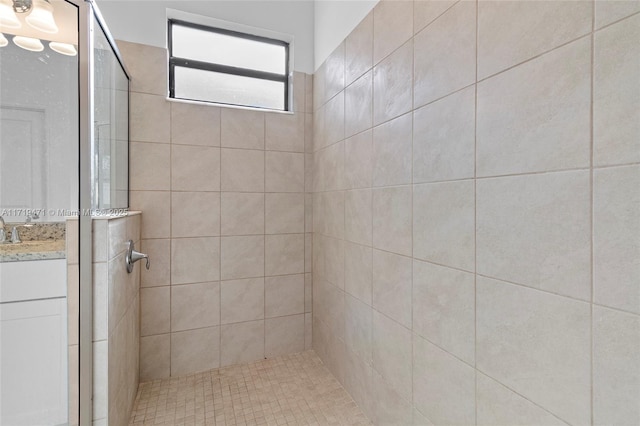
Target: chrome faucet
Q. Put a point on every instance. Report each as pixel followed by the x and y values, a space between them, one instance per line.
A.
pixel 15 236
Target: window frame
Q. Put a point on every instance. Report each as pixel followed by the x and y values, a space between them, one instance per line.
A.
pixel 226 69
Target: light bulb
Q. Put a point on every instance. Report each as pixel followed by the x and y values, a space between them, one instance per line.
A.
pixel 63 48
pixel 8 18
pixel 3 40
pixel 41 17
pixel 28 43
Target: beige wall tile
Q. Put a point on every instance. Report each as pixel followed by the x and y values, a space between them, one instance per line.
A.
pixel 308 96
pixel 147 67
pixel 242 257
pixel 285 132
pixel 149 118
pixel 391 157
pixel 427 11
pixel 390 408
pixel 149 166
pixel 616 373
pixel 358 381
pixel 334 262
pixel 308 133
pixel 155 357
pixel 241 343
pixel 392 284
pixel 358 169
pixel 616 246
pixel 99 229
pixel 532 28
pixel 542 125
pixel 195 260
pixel 155 310
pixel 616 97
pixel 156 206
pixel 359 49
pixel 319 87
pixel 284 335
pixel 358 271
pixel 392 219
pixel 392 354
pixel 308 252
pixel 242 300
pixel 537 344
pixel 444 308
pixel 117 231
pixel 195 168
pixel 498 405
pixel 443 386
pixel 358 216
pixel 284 213
pixel 358 105
pixel 284 172
pixel 195 214
pixel 445 54
pixel 284 295
pixel 100 303
pixel 392 26
pixel 334 72
pixel 444 223
pixel 308 331
pixel 358 329
pixel 308 292
pixel 392 84
pixel 159 273
pixel 100 396
pixel 242 213
pixel 242 128
pixel 608 11
pixel 523 234
pixel 242 170
pixel 195 306
pixel 195 124
pixel 444 137
pixel 195 350
pixel 334 120
pixel 284 254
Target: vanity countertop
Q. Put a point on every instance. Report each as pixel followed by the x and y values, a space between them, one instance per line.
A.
pixel 32 250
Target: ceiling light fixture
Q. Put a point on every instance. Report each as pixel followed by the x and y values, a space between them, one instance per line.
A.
pixel 28 43
pixel 63 48
pixel 8 18
pixel 41 17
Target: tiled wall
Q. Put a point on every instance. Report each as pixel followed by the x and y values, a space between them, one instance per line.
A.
pixel 227 224
pixel 477 212
pixel 116 320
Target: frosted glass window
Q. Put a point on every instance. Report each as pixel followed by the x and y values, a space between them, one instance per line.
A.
pixel 227 67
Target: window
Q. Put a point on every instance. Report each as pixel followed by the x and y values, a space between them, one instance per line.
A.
pixel 227 67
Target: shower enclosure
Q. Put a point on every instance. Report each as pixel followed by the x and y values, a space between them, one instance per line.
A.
pixel 63 160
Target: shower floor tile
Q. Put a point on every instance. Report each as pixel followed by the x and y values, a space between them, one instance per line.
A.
pixel 288 390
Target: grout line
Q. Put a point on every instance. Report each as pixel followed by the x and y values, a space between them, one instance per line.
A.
pixel 591 207
pixel 475 223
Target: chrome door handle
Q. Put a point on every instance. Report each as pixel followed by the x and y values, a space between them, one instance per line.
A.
pixel 133 256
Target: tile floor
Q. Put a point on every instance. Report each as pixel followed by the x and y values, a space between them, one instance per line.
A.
pixel 288 390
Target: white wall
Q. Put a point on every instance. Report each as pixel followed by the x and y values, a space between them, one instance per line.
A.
pixel 145 21
pixel 333 21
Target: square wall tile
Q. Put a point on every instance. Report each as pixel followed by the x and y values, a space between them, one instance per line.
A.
pixel 242 343
pixel 427 11
pixel 242 213
pixel 284 335
pixel 195 124
pixel 155 310
pixel 195 168
pixel 242 128
pixel 535 230
pixel 531 28
pixel 195 260
pixel 444 223
pixel 537 344
pixel 616 246
pixel 392 26
pixel 284 295
pixel 392 84
pixel 195 306
pixel 392 151
pixel 150 166
pixel 334 72
pixel 444 308
pixel 444 137
pixel 358 216
pixel 535 117
pixel 285 132
pixel 195 214
pixel 392 220
pixel 284 172
pixel 284 254
pixel 156 206
pixel 242 257
pixel 443 386
pixel 390 407
pixel 284 213
pixel 445 54
pixel 358 105
pixel 616 97
pixel 334 120
pixel 359 49
pixel 242 170
pixel 392 357
pixel 155 357
pixel 242 300
pixel 358 271
pixel 392 282
pixel 195 350
pixel 149 119
pixel 147 66
pixel 358 168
